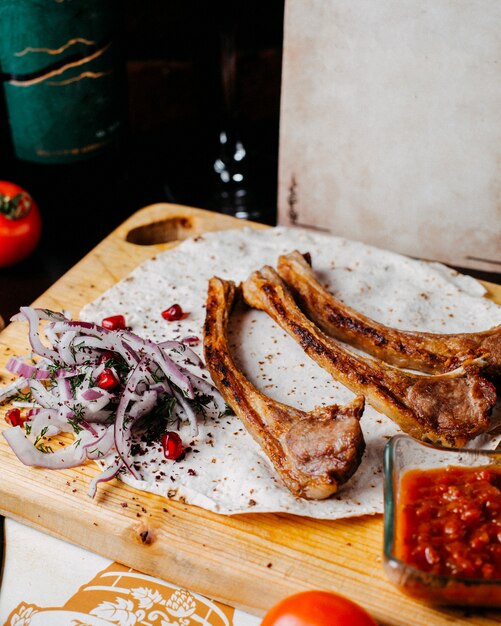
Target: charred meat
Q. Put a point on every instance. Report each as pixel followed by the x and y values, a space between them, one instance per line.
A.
pixel 448 409
pixel 426 352
pixel 313 452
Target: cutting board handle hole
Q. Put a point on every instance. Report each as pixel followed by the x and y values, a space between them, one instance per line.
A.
pixel 163 231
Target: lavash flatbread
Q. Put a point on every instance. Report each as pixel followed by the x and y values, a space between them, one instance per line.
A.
pixel 226 471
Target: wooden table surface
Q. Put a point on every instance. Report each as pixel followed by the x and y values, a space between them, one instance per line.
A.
pixel 249 561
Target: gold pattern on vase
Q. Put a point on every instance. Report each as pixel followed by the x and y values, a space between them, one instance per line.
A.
pixel 56 51
pixel 39 79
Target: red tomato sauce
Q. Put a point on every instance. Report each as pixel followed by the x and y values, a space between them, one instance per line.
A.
pixel 449 521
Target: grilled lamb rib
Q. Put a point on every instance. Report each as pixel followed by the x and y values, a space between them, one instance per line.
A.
pixel 426 352
pixel 312 452
pixel 449 409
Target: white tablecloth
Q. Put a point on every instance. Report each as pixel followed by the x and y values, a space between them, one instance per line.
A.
pixel 48 582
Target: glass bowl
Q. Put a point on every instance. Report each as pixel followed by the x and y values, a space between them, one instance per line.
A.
pixel 403 453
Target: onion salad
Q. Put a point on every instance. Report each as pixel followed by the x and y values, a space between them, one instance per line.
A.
pixel 105 387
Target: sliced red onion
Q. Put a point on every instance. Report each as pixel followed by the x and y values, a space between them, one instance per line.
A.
pixel 129 346
pixel 92 430
pixel 99 417
pixel 184 351
pixel 103 447
pixel 171 370
pixel 92 433
pixel 207 389
pixel 38 370
pixel 109 473
pixel 19 367
pixel 64 387
pixel 13 388
pixel 28 454
pixel 66 372
pixel 144 404
pixel 51 335
pixel 92 394
pixel 161 387
pixel 99 444
pixel 94 400
pixel 103 338
pixel 65 348
pixel 71 402
pixel 34 316
pixel 42 314
pixel 43 396
pixel 49 422
pixel 189 413
pixel 124 421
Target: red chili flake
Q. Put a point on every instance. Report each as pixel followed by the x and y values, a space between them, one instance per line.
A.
pixel 172 445
pixel 107 380
pixel 114 322
pixel 14 417
pixel 173 313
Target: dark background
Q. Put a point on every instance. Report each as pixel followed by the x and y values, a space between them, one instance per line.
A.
pixel 174 114
pixel 172 56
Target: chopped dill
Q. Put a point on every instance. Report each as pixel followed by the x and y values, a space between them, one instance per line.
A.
pixel 118 364
pixel 99 453
pixel 74 423
pixel 228 411
pixel 53 368
pixel 41 435
pixel 78 412
pixel 75 382
pixel 23 396
pixel 200 402
pixel 75 347
pixel 158 421
pixel 158 376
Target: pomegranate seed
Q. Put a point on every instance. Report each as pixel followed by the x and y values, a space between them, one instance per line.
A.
pixel 173 313
pixel 14 418
pixel 107 380
pixel 191 341
pixel 114 322
pixel 172 445
pixel 107 355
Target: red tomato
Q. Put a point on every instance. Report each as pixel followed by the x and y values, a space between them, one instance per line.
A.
pixel 20 224
pixel 317 608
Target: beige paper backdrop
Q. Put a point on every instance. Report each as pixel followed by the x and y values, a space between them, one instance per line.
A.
pixel 390 126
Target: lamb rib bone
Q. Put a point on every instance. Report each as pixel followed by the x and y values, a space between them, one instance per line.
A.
pixel 448 409
pixel 422 351
pixel 313 452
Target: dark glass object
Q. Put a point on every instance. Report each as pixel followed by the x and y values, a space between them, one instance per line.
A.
pixel 234 188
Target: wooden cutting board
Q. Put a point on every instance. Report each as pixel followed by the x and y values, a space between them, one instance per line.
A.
pixel 248 561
